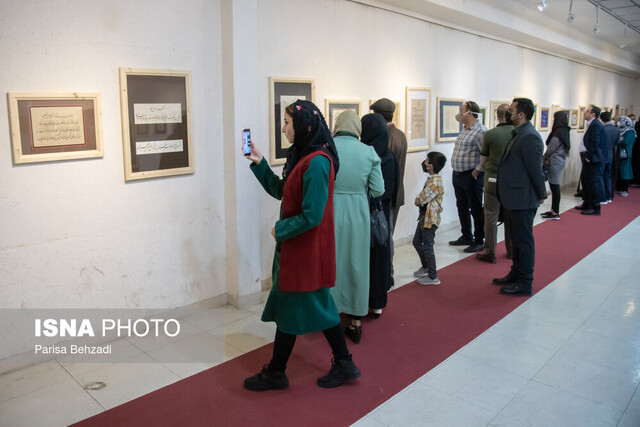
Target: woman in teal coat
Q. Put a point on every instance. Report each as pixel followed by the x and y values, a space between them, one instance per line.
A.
pixel 304 261
pixel 359 172
pixel 627 138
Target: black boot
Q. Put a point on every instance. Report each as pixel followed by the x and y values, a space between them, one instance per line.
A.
pixel 342 370
pixel 267 379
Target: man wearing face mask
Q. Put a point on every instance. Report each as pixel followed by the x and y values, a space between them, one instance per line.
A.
pixel 495 141
pixel 468 177
pixel 521 188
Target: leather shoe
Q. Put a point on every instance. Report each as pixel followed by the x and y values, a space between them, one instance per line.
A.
pixel 506 280
pixel 590 212
pixel 354 334
pixel 474 247
pixel 581 207
pixel 491 259
pixel 517 288
pixel 461 241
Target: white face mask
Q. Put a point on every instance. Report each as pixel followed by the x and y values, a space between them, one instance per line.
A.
pixel 460 115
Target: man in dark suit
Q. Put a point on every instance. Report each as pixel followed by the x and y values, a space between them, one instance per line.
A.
pixel 596 146
pixel 520 190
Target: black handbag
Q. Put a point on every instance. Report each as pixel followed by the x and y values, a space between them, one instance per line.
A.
pixel 379 224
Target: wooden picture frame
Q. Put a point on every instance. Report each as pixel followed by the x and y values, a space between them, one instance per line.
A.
pixel 582 123
pixel 48 127
pixel 493 106
pixel 333 108
pixel 573 118
pixel 418 118
pixel 447 128
pixel 156 123
pixel 284 91
pixel 544 120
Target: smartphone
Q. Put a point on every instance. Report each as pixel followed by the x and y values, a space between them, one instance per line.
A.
pixel 246 141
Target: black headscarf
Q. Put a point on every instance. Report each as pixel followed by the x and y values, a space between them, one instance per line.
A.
pixel 311 134
pixel 375 134
pixel 560 129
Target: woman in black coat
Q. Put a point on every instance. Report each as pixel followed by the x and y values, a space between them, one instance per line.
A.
pixel 374 133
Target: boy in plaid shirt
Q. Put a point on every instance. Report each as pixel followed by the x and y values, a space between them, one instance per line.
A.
pixel 430 203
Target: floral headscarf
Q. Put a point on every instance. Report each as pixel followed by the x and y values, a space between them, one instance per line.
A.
pixel 626 125
pixel 311 134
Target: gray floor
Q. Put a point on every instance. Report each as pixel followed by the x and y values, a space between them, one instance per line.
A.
pixel 569 356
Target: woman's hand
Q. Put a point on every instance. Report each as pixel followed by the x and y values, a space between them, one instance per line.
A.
pixel 255 156
pixel 273 233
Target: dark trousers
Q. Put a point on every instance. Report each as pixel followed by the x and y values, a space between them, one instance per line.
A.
pixel 524 250
pixel 423 242
pixel 555 197
pixel 468 192
pixel 606 182
pixel 283 346
pixel 593 187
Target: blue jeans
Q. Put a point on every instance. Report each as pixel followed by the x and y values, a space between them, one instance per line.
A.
pixel 423 242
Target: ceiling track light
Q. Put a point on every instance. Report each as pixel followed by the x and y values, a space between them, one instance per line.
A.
pixel 623 44
pixel 542 6
pixel 571 16
pixel 596 29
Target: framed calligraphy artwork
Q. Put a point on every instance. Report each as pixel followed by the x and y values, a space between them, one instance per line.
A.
pixel 542 124
pixel 282 93
pixel 582 123
pixel 447 127
pixel 333 108
pixel 156 123
pixel 55 126
pixel 418 118
pixel 573 118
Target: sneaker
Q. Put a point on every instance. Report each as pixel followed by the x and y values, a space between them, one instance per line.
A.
pixel 610 201
pixel 426 280
pixel 341 371
pixel 461 241
pixel 267 379
pixel 420 272
pixel 552 216
pixel 624 193
pixel 604 202
pixel 543 214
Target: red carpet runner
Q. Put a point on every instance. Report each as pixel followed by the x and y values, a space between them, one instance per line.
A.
pixel 421 327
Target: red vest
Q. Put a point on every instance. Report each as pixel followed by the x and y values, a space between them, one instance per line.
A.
pixel 307 261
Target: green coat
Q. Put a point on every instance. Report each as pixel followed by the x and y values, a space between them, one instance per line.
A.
pixel 297 313
pixel 359 170
pixel 627 141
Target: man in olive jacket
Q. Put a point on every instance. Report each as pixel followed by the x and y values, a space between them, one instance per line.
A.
pixel 520 190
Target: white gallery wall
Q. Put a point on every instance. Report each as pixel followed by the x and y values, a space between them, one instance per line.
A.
pixel 74 234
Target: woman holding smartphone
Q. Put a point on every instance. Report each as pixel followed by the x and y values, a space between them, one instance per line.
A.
pixel 304 264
